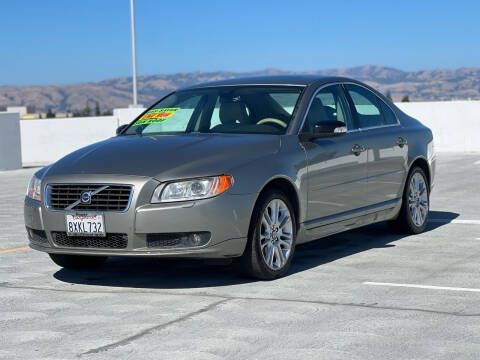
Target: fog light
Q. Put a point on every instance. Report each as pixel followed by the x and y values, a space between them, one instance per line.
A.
pixel 195 239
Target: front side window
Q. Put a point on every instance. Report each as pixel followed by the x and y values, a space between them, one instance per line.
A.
pixel 224 109
pixel 328 106
pixel 365 106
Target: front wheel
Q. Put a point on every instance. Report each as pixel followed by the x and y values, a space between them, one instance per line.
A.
pixel 415 209
pixel 272 236
pixel 77 261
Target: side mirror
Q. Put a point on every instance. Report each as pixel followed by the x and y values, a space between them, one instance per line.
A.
pixel 121 128
pixel 332 128
pixel 325 129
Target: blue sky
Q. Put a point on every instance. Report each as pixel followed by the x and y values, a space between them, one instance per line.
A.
pixel 68 41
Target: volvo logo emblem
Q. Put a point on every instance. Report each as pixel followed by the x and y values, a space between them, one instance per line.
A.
pixel 86 197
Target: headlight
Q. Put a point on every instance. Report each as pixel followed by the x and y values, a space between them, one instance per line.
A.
pixel 33 190
pixel 194 189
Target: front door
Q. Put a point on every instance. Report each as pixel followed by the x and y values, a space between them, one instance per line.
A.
pixel 337 166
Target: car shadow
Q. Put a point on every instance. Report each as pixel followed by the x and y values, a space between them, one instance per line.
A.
pixel 160 273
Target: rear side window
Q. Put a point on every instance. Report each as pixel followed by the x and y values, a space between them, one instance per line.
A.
pixel 365 107
pixel 388 114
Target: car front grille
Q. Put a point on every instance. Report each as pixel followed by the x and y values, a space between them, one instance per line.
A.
pixel 111 198
pixel 111 241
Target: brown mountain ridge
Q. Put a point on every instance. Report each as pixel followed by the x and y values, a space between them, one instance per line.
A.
pixel 426 85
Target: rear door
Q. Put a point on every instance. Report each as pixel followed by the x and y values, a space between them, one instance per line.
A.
pixel 387 147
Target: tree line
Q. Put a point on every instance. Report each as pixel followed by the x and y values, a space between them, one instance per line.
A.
pixel 85 112
pixel 404 99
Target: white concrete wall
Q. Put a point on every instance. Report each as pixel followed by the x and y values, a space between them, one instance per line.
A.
pixel 44 141
pixel 10 150
pixel 22 110
pixel 455 124
pixel 125 116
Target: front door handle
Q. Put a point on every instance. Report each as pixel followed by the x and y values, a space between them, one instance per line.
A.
pixel 357 149
pixel 401 141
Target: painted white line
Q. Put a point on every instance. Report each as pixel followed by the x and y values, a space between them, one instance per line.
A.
pixel 455 221
pixel 448 288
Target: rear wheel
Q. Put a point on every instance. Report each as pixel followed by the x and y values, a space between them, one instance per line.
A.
pixel 77 261
pixel 415 209
pixel 272 236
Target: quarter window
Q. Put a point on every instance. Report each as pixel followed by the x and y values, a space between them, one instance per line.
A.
pixel 388 114
pixel 365 106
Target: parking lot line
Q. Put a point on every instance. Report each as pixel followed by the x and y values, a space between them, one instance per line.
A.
pixel 447 288
pixel 455 221
pixel 13 250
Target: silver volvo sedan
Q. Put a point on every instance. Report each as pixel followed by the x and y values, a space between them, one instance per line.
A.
pixel 244 169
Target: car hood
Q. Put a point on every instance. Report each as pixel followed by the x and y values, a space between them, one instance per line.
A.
pixel 167 157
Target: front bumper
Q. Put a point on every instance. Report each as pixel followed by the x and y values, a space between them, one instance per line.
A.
pixel 226 217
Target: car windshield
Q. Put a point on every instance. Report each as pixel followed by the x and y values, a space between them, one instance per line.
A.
pixel 222 109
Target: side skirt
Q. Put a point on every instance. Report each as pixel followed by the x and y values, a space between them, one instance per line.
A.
pixel 318 228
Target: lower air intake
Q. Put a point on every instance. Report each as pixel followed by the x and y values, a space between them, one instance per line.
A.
pixel 37 236
pixel 111 241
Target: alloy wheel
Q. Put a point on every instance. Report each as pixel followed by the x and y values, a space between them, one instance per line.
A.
pixel 276 234
pixel 418 199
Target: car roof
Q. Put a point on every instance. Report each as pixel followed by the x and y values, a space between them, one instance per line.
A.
pixel 299 80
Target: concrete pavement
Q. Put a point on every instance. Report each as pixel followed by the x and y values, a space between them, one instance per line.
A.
pixel 349 296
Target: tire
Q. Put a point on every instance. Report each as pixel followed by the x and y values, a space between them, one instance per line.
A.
pixel 415 200
pixel 77 261
pixel 267 255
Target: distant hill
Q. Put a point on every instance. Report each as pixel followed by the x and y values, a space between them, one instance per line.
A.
pixel 424 85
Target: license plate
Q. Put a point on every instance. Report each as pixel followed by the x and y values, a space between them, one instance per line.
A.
pixel 85 225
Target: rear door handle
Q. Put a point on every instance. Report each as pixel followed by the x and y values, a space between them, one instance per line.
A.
pixel 357 149
pixel 401 141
